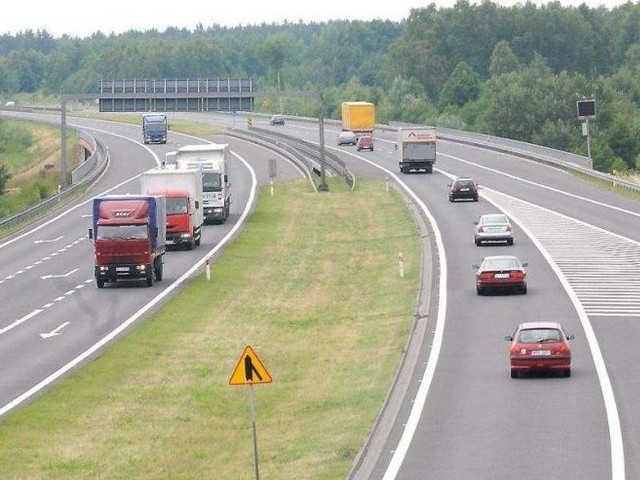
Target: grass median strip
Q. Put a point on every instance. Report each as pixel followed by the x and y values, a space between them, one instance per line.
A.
pixel 312 284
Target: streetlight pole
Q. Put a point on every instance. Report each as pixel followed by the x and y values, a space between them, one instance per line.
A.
pixel 323 187
pixel 63 143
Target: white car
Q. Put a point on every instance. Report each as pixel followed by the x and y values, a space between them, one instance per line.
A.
pixel 493 227
pixel 347 137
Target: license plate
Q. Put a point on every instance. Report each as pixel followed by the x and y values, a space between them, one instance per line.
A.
pixel 540 353
pixel 464 189
pixel 501 275
pixel 122 269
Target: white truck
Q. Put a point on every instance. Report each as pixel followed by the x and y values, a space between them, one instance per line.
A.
pixel 417 149
pixel 213 160
pixel 183 191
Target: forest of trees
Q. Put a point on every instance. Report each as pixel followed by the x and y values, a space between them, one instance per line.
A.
pixel 514 72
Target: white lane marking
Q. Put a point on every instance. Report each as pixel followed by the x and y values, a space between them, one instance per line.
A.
pixel 61 275
pixel 611 408
pixel 79 205
pixel 124 325
pixel 432 361
pixel 539 185
pixel 55 332
pixel 48 241
pixel 19 321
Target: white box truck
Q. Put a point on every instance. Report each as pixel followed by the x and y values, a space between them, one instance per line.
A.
pixel 213 160
pixel 183 191
pixel 417 149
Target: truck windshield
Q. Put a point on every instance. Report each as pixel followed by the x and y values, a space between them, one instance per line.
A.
pixel 121 231
pixel 156 127
pixel 211 182
pixel 176 206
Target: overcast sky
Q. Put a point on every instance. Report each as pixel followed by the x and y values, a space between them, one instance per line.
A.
pixel 81 19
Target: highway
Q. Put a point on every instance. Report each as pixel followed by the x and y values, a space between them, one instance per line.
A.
pixel 57 318
pixel 456 414
pixel 461 415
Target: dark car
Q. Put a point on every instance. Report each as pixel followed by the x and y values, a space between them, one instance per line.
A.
pixel 277 120
pixel 539 346
pixel 364 142
pixel 463 188
pixel 501 272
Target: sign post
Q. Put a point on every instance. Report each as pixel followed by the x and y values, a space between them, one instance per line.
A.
pixel 586 110
pixel 250 370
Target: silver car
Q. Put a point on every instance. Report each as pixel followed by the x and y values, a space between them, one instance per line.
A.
pixel 493 227
pixel 346 137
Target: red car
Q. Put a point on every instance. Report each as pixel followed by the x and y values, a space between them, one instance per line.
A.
pixel 540 346
pixel 501 272
pixel 364 142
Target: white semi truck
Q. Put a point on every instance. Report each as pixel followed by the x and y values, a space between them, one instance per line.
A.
pixel 213 160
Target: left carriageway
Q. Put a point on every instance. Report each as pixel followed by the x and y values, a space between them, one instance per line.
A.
pixel 56 318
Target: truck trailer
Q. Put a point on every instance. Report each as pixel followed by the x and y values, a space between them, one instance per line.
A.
pixel 154 128
pixel 183 191
pixel 128 232
pixel 417 149
pixel 359 117
pixel 213 160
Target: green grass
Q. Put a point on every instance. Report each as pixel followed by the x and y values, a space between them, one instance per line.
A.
pixel 318 296
pixel 30 181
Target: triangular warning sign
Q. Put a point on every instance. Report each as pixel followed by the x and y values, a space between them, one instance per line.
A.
pixel 249 369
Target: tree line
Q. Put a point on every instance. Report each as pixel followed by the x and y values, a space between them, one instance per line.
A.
pixel 514 72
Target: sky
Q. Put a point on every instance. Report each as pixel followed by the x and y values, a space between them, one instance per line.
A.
pixel 82 19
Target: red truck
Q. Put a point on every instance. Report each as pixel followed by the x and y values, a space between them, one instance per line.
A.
pixel 129 234
pixel 183 191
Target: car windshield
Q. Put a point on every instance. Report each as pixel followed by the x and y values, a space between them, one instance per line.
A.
pixel 493 219
pixel 539 335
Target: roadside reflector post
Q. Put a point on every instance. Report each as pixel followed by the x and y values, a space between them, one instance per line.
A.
pixel 401 264
pixel 273 172
pixel 208 268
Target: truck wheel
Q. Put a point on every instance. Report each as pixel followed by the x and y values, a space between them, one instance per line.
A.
pixel 151 278
pixel 198 240
pixel 429 169
pixel 158 269
pixel 100 283
pixel 190 244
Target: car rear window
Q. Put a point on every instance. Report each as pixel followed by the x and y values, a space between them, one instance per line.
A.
pixel 501 263
pixel 464 183
pixel 493 219
pixel 539 335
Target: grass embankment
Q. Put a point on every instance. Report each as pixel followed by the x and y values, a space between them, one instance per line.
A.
pixel 313 286
pixel 31 152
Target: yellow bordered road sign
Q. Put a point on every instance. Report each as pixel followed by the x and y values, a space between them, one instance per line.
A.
pixel 249 370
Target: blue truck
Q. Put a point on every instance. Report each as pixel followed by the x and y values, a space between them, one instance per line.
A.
pixel 154 128
pixel 129 234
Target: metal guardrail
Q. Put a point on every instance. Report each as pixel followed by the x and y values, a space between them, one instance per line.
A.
pixel 312 152
pixel 96 163
pixel 530 151
pixel 267 142
pixel 311 157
